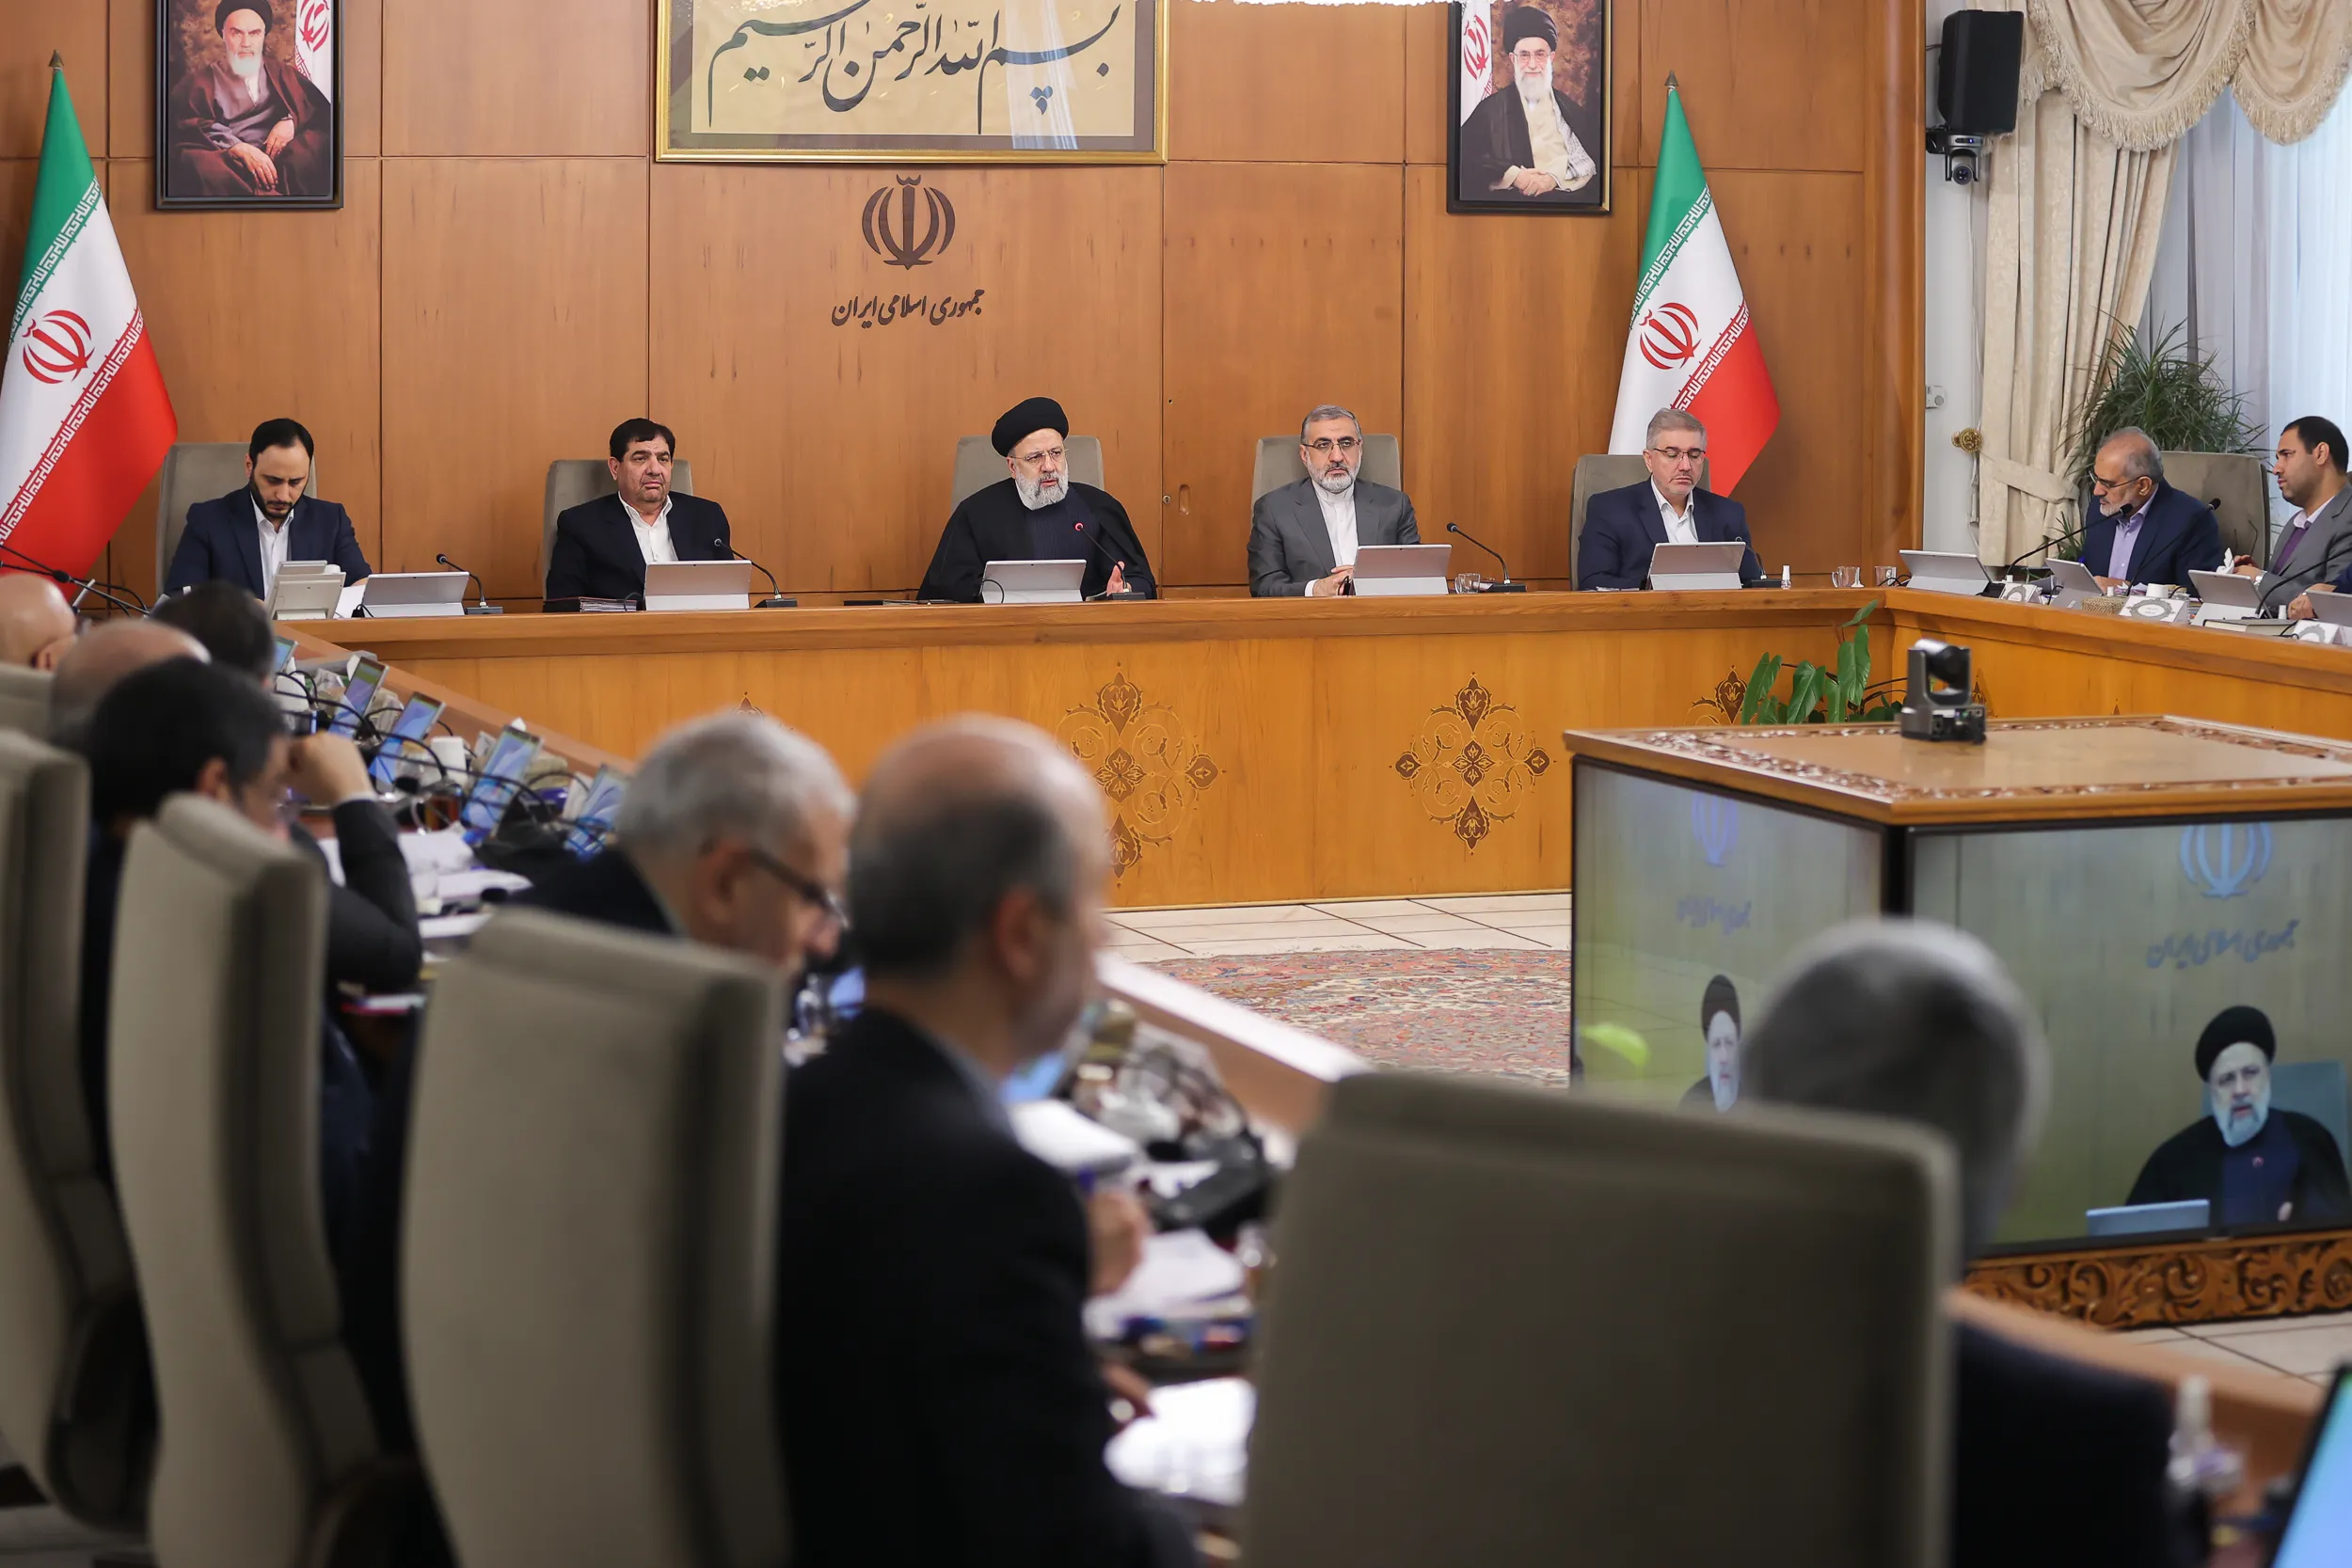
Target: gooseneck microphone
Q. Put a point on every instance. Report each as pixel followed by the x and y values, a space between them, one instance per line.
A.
pixel 777 598
pixel 2068 537
pixel 1506 585
pixel 2327 559
pixel 83 587
pixel 1102 553
pixel 482 605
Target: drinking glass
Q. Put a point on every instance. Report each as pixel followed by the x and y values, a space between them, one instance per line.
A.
pixel 1845 577
pixel 1890 576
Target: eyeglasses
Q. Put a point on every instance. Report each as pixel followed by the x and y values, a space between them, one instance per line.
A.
pixel 1676 455
pixel 1328 445
pixel 2108 486
pixel 814 893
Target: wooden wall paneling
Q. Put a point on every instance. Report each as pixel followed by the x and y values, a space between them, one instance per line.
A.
pixel 260 314
pixel 1767 83
pixel 514 332
pixel 17 177
pixel 131 69
pixel 1427 63
pixel 462 79
pixel 1513 336
pixel 1797 240
pixel 1285 291
pixel 1293 84
pixel 1894 240
pixel 832 444
pixel 36 30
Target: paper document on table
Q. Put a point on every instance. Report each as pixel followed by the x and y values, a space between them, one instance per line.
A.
pixel 1194 1443
pixel 1067 1139
pixel 456 887
pixel 444 851
pixel 1181 1269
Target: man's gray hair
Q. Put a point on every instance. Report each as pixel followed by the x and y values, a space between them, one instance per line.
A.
pixel 1328 411
pixel 1667 419
pixel 735 775
pixel 2138 456
pixel 1914 1021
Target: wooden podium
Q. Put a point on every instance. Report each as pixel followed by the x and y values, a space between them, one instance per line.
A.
pixel 2137 875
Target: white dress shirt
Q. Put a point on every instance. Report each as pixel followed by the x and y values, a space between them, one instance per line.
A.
pixel 273 548
pixel 1682 529
pixel 1338 521
pixel 652 539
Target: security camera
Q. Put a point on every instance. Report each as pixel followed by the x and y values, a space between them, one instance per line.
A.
pixel 1935 701
pixel 1961 171
pixel 1959 150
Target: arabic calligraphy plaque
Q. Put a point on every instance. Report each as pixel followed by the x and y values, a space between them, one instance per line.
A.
pixel 957 81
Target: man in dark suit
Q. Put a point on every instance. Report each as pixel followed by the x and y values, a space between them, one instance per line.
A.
pixel 246 536
pixel 1623 527
pixel 940 1405
pixel 1530 139
pixel 1036 511
pixel 603 547
pixel 2315 547
pixel 1304 536
pixel 2053 1463
pixel 2146 531
pixel 2253 1164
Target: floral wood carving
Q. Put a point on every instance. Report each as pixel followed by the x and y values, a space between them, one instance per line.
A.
pixel 2185 1282
pixel 1472 763
pixel 1145 758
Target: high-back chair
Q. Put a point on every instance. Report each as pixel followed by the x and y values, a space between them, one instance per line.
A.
pixel 1595 473
pixel 589 1249
pixel 74 1374
pixel 2231 482
pixel 978 464
pixel 1277 463
pixel 572 481
pixel 268 1456
pixel 198 471
pixel 25 701
pixel 1513 1327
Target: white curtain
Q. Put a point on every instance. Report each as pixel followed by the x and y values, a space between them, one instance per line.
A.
pixel 2309 230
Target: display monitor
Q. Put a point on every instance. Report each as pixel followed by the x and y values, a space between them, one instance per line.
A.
pixel 359 692
pixel 406 740
pixel 498 782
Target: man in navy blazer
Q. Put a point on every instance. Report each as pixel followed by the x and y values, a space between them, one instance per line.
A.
pixel 1622 526
pixel 2146 531
pixel 602 547
pixel 246 536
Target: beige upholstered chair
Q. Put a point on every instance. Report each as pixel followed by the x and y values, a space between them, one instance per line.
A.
pixel 1596 472
pixel 1516 1328
pixel 574 479
pixel 589 1249
pixel 25 701
pixel 73 1356
pixel 1278 464
pixel 197 471
pixel 979 465
pixel 269 1452
pixel 2232 484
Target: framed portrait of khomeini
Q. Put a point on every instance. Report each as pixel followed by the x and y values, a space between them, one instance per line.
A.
pixel 1529 125
pixel 936 81
pixel 248 104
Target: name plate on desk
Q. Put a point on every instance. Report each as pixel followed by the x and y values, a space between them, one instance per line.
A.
pixel 1690 568
pixel 1392 571
pixel 698 585
pixel 2146 607
pixel 396 595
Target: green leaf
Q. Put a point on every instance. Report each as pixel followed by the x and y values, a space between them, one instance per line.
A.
pixel 1760 686
pixel 1841 691
pixel 1804 693
pixel 1861 616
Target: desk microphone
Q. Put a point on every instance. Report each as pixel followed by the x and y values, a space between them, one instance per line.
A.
pixel 1102 553
pixel 84 586
pixel 776 598
pixel 1506 585
pixel 2068 537
pixel 482 605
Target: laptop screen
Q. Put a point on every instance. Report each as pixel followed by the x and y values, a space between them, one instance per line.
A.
pixel 2320 1529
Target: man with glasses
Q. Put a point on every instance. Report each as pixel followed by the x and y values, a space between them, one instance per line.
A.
pixel 1036 511
pixel 735 833
pixel 2145 530
pixel 1304 536
pixel 1623 527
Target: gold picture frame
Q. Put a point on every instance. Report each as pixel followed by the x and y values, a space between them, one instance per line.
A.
pixel 750 81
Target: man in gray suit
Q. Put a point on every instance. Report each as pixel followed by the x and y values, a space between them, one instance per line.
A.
pixel 2316 543
pixel 1303 537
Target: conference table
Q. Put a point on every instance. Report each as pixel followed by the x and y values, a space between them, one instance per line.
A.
pixel 1293 750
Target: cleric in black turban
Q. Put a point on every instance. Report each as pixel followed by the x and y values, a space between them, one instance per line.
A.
pixel 2253 1164
pixel 1527 139
pixel 1036 511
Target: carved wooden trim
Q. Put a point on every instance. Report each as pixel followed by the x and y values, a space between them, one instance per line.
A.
pixel 2177 1282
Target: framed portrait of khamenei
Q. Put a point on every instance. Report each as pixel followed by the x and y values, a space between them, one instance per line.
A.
pixel 248 104
pixel 893 81
pixel 1529 126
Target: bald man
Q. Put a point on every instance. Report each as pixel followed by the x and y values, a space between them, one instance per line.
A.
pixel 938 1400
pixel 98 661
pixel 35 623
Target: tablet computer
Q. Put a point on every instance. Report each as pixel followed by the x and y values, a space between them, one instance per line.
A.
pixel 1032 581
pixel 1682 568
pixel 1392 571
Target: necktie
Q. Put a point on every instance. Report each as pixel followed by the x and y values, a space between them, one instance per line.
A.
pixel 2286 545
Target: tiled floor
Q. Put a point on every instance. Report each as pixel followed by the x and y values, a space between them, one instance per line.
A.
pixel 2301 1347
pixel 1526 921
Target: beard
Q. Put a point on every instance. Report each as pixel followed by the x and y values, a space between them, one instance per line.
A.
pixel 1037 493
pixel 245 67
pixel 1337 481
pixel 2244 1127
pixel 1534 89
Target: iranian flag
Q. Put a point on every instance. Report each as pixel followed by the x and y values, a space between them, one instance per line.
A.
pixel 1691 345
pixel 314 44
pixel 84 418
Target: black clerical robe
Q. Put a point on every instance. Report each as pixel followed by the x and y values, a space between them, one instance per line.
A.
pixel 212 113
pixel 1495 138
pixel 2189 1166
pixel 992 524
